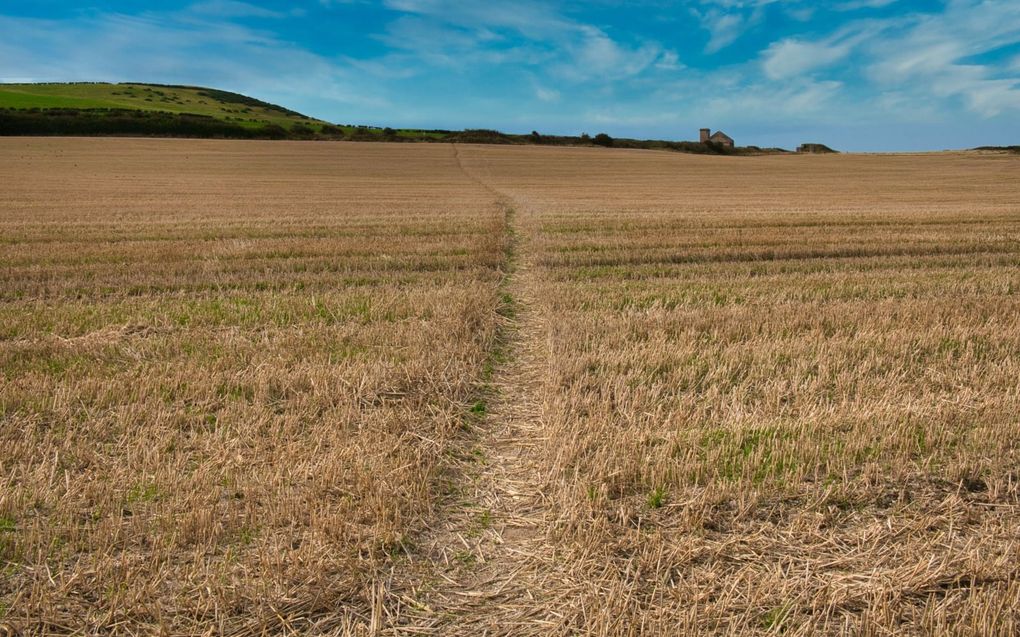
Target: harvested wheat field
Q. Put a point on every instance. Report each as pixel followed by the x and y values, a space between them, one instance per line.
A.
pixel 352 388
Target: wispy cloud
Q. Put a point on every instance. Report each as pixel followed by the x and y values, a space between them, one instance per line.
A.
pixel 725 28
pixel 923 55
pixel 855 5
pixel 593 54
pixel 547 94
pixel 792 57
pixel 464 33
pixel 237 9
pixel 530 19
pixel 931 55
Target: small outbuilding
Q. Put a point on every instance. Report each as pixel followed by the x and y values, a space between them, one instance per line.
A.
pixel 717 137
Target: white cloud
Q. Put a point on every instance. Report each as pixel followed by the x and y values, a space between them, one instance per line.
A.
pixel 931 56
pixel 791 57
pixel 728 20
pixel 437 42
pixel 669 61
pixel 547 94
pixel 992 97
pixel 776 102
pixel 237 9
pixel 532 20
pixel 854 5
pixel 465 33
pixel 925 56
pixel 802 14
pixel 392 66
pixel 596 54
pixel 724 28
pixel 917 61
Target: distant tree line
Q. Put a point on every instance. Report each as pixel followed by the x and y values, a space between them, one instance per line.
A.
pixel 1007 149
pixel 603 139
pixel 90 122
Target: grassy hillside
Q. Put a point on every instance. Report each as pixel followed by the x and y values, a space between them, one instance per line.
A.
pixel 90 108
pixel 232 107
pixel 87 108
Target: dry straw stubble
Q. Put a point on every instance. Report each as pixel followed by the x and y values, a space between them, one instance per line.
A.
pixel 776 394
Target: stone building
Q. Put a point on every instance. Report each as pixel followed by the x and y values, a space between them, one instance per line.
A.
pixel 717 137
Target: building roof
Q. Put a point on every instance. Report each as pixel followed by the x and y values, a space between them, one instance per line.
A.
pixel 720 136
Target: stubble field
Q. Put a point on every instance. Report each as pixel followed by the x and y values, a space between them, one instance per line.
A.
pixel 331 388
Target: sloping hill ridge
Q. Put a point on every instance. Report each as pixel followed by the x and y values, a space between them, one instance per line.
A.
pixel 149 97
pixel 146 109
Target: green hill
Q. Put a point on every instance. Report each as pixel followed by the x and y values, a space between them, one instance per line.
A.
pixel 135 108
pixel 192 100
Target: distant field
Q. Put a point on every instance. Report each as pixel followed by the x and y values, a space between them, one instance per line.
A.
pixel 292 388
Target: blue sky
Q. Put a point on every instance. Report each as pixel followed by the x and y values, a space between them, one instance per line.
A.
pixel 856 74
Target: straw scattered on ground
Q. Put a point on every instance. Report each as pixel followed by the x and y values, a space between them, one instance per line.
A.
pixel 256 388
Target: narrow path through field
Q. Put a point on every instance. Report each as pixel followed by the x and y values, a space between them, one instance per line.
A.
pixel 484 570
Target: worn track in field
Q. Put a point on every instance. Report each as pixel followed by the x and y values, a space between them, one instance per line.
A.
pixel 487 569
